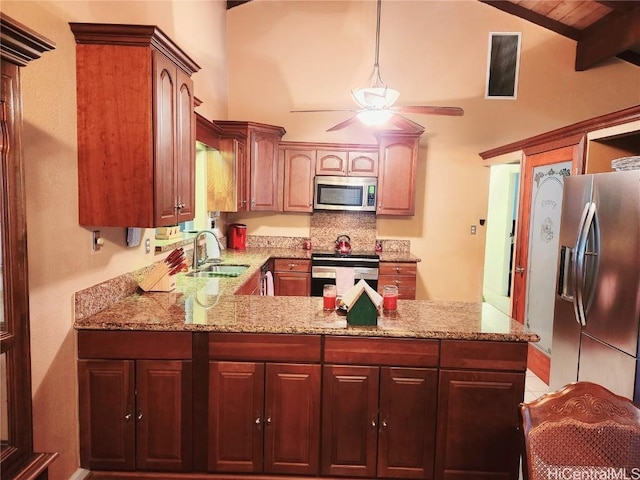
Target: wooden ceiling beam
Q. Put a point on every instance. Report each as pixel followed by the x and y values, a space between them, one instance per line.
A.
pixel 608 37
pixel 534 17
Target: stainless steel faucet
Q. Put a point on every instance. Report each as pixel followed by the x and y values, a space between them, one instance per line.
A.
pixel 197 262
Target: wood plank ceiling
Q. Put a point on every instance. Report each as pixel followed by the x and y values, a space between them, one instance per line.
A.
pixel 602 29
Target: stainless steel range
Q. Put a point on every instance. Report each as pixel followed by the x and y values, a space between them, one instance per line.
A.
pixel 323 268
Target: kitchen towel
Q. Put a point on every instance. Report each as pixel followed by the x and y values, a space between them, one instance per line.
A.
pixel 267 288
pixel 344 280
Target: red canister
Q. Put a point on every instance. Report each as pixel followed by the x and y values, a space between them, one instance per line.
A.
pixel 237 236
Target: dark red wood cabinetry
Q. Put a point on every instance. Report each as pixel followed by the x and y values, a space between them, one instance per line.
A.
pixel 292 277
pixel 264 416
pixel 307 405
pixel 136 127
pixel 135 400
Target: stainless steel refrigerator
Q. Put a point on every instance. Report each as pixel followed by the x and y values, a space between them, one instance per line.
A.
pixel 596 324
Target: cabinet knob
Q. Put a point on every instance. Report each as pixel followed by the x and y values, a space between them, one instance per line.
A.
pixel 398 269
pixel 267 420
pixel 373 424
pixel 384 423
pixel 127 417
pixel 519 269
pixel 140 416
pixel 258 421
pixel 293 265
pixel 253 203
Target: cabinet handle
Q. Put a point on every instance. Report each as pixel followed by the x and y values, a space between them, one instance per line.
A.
pixel 253 203
pixel 373 424
pixel 397 282
pixel 127 417
pixel 384 423
pixel 397 269
pixel 140 416
pixel 519 269
pixel 293 265
pixel 258 421
pixel 267 420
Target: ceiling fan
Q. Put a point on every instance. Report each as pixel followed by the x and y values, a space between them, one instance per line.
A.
pixel 376 101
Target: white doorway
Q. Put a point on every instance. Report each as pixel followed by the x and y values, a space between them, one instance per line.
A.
pixel 504 182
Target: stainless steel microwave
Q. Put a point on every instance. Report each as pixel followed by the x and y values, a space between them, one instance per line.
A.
pixel 345 193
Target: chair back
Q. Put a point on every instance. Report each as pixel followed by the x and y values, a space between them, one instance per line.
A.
pixel 581 431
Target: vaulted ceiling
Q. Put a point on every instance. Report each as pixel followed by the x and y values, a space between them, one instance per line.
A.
pixel 602 29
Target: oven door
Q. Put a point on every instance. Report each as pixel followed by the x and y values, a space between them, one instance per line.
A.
pixel 324 274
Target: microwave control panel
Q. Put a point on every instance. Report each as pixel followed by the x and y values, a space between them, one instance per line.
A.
pixel 371 196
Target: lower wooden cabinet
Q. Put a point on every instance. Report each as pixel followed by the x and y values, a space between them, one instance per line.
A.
pixel 378 421
pixel 401 274
pixel 135 415
pixel 308 405
pixel 292 277
pixel 264 417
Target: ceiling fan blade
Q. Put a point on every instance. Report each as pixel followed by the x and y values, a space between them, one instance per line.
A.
pixel 452 111
pixel 344 124
pixel 325 110
pixel 404 123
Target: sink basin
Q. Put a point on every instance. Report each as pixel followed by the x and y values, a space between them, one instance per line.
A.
pixel 219 271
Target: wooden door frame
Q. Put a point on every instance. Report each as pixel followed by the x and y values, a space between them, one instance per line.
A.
pixel 538 362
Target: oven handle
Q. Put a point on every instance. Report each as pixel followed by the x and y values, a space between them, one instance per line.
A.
pixel 358 272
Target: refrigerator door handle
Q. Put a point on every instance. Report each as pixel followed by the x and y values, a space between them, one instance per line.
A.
pixel 579 262
pixel 566 257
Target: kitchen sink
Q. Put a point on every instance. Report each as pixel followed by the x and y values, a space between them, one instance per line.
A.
pixel 219 271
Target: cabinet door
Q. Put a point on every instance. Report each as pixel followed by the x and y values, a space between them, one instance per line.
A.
pixel 349 420
pixel 396 175
pixel 299 170
pixel 164 115
pixel 292 284
pixel 264 172
pixel 331 163
pixel 292 419
pixel 478 422
pixel 242 193
pixel 362 164
pixel 402 275
pixel 236 405
pixel 106 407
pixel 185 164
pixel 163 414
pixel 406 444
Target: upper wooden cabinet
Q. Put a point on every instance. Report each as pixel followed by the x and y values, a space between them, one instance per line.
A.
pixel 347 162
pixel 299 166
pixel 259 174
pixel 136 127
pixel 397 172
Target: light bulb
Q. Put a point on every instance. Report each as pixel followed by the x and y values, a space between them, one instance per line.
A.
pixel 374 118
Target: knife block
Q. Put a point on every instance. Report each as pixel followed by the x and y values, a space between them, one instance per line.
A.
pixel 158 279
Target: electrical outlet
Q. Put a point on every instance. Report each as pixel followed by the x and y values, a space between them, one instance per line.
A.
pixel 97 241
pixel 147 245
pixel 473 229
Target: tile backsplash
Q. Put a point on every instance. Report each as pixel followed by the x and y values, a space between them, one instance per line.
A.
pixel 359 226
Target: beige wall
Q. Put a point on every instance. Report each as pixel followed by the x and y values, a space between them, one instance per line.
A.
pixel 60 258
pixel 286 55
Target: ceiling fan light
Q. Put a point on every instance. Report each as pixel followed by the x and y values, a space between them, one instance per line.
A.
pixel 375 117
pixel 375 97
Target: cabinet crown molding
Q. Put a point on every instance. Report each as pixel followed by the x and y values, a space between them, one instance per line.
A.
pixel 19 44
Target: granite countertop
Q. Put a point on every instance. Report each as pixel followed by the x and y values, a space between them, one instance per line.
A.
pixel 208 304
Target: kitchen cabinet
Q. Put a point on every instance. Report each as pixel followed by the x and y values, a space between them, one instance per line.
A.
pixel 379 421
pixel 292 277
pixel 264 414
pixel 401 274
pixel 299 167
pixel 480 385
pixel 253 286
pixel 347 162
pixel 136 127
pixel 259 169
pixel 397 172
pixel 135 400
